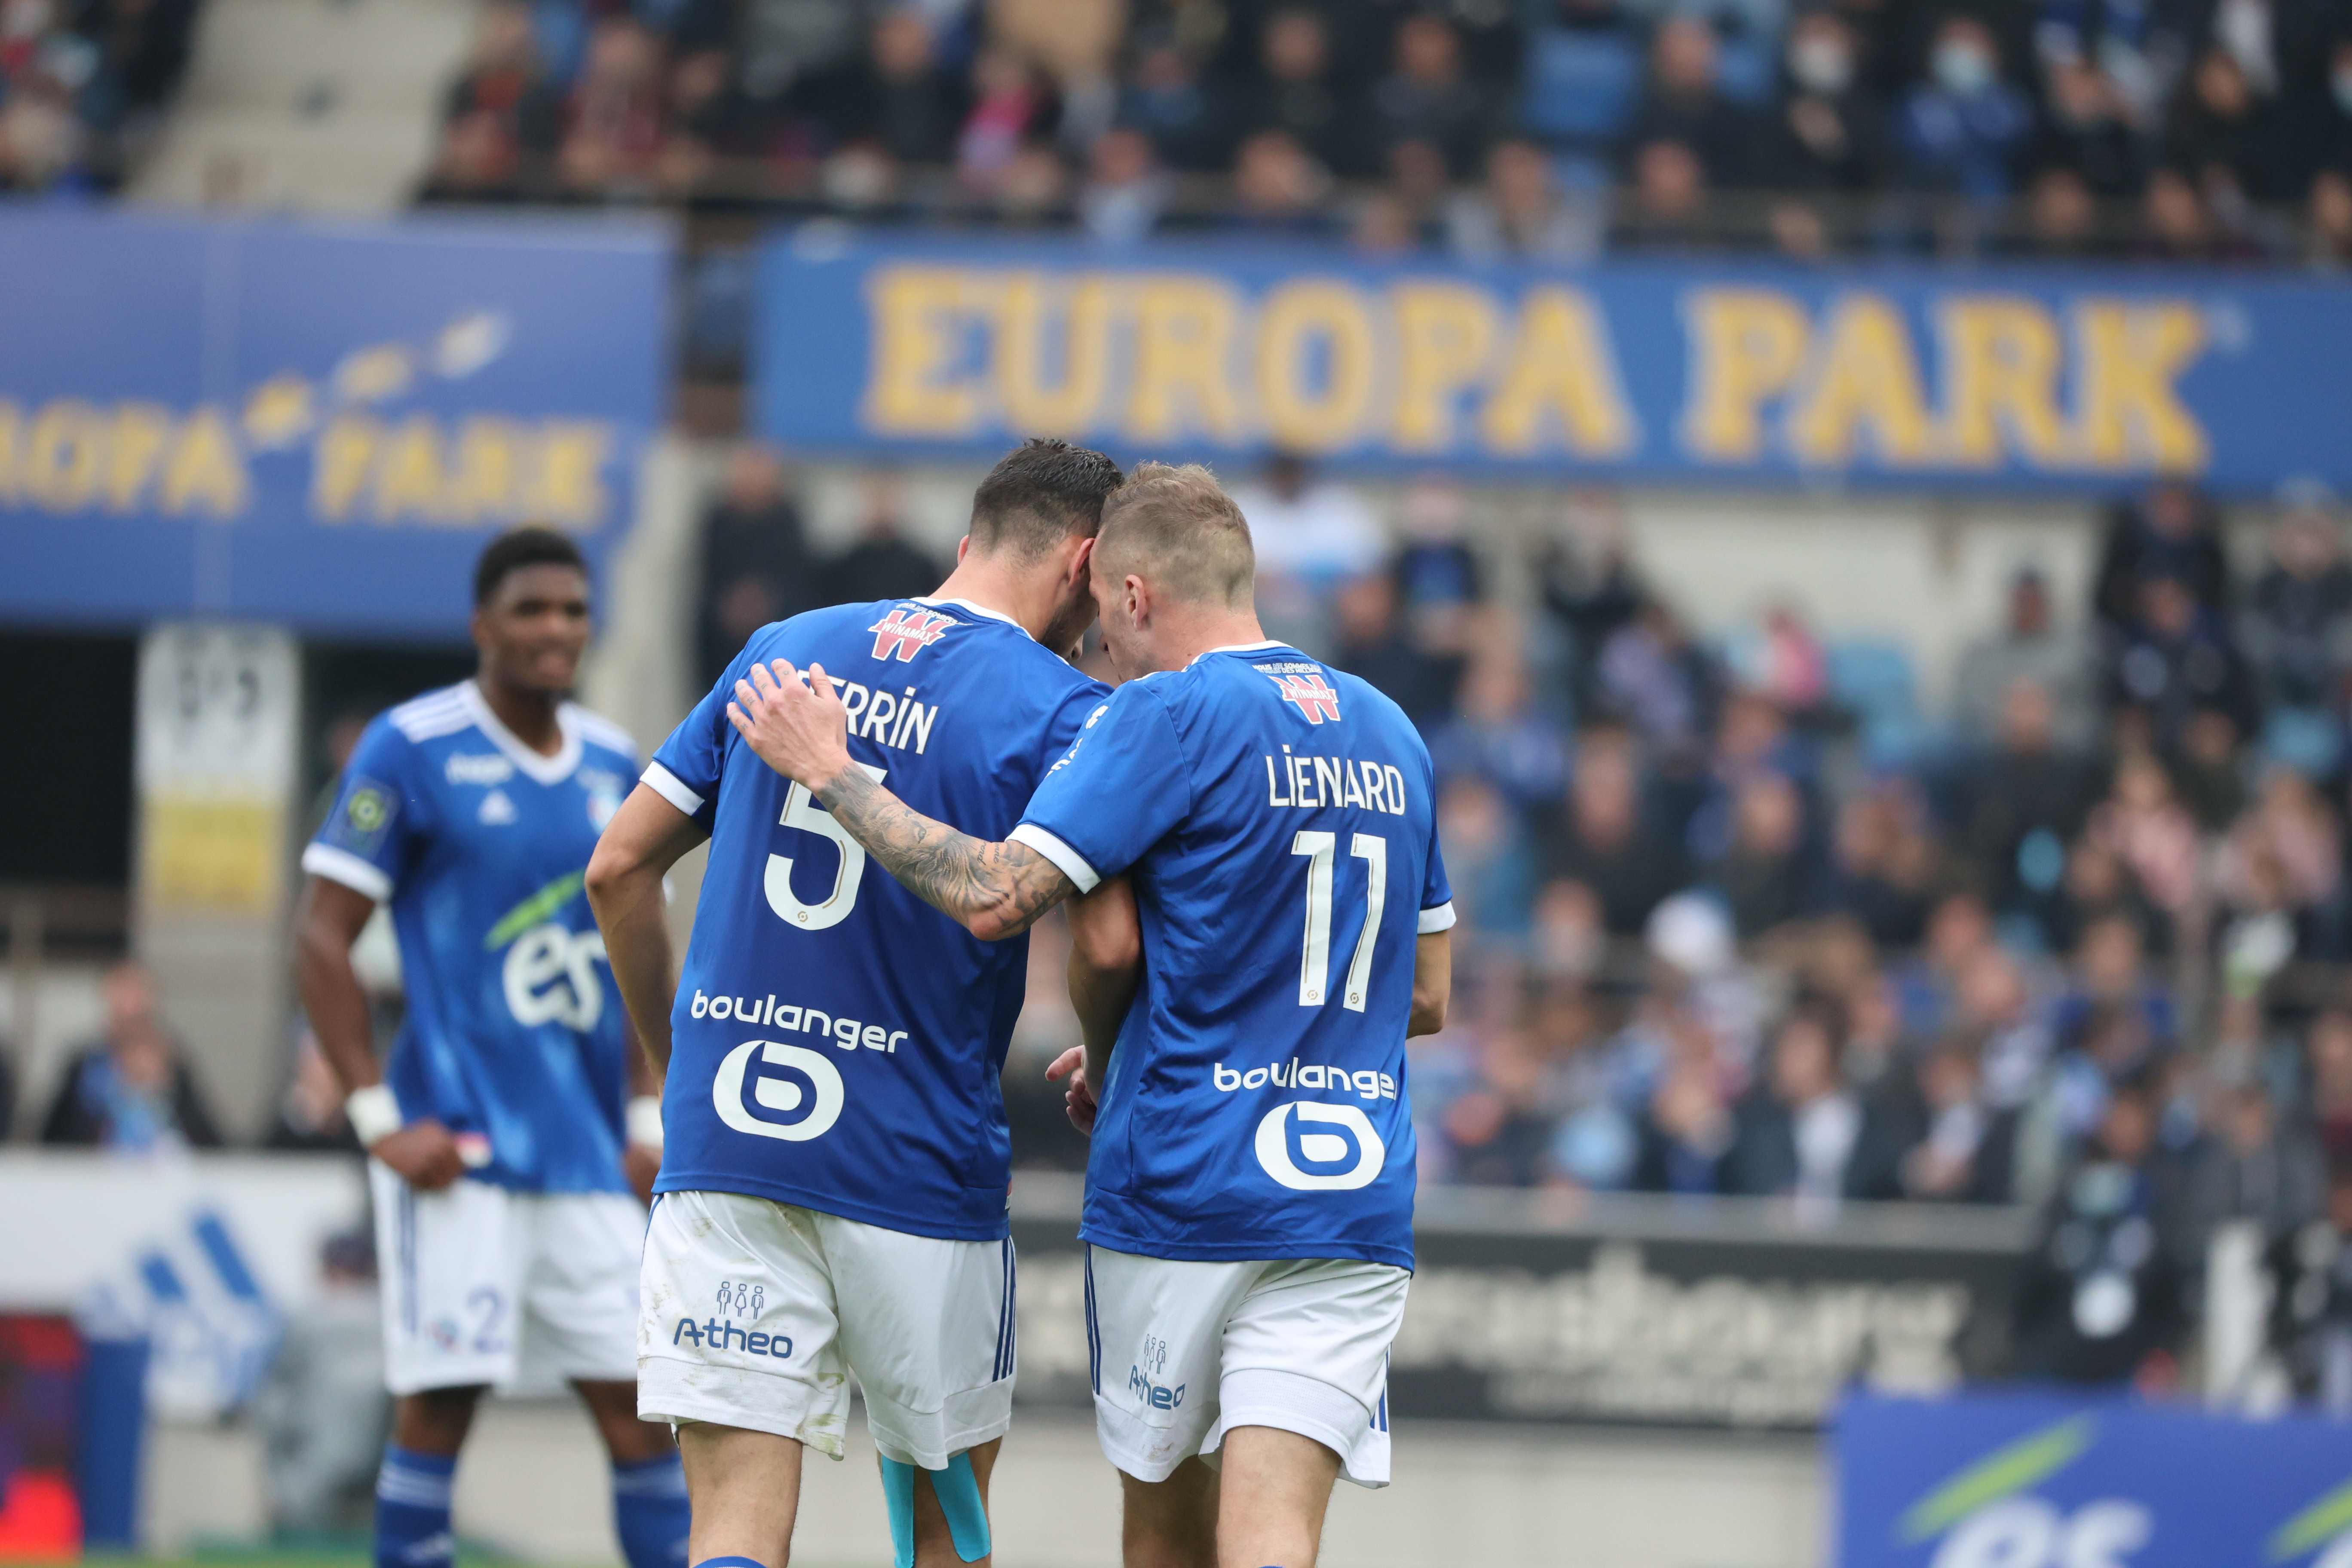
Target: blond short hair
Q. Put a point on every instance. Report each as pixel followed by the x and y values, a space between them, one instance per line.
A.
pixel 1176 527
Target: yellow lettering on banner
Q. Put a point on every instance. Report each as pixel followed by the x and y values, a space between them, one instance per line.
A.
pixel 568 488
pixel 207 468
pixel 133 448
pixel 1865 375
pixel 916 311
pixel 64 455
pixel 2003 359
pixel 340 463
pixel 1445 340
pixel 1561 365
pixel 1030 407
pixel 2129 410
pixel 10 424
pixel 1184 329
pixel 408 474
pixel 487 472
pixel 1747 347
pixel 1295 317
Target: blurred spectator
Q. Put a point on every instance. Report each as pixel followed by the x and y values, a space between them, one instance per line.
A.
pixel 2062 214
pixel 1438 576
pixel 1277 188
pixel 2224 137
pixel 2253 1168
pixel 2167 531
pixel 2310 1276
pixel 1486 857
pixel 311 1112
pixel 1165 99
pixel 1298 92
pixel 2085 132
pixel 1960 130
pixel 612 123
pixel 1495 1134
pixel 2285 856
pixel 504 93
pixel 1797 1131
pixel 2032 646
pixel 1011 106
pixel 1687 108
pixel 1928 1134
pixel 134 1090
pixel 1782 660
pixel 1372 643
pixel 2157 840
pixel 2175 661
pixel 1883 863
pixel 1587 583
pixel 1521 213
pixel 1830 133
pixel 1595 837
pixel 2102 1300
pixel 1310 534
pixel 1687 1126
pixel 1499 733
pixel 756 564
pixel 2023 801
pixel 321 1411
pixel 1667 209
pixel 1653 676
pixel 897 96
pixel 883 564
pixel 2298 623
pixel 1765 875
pixel 1125 192
pixel 2329 221
pixel 1426 98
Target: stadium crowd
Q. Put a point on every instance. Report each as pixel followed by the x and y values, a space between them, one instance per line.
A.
pixel 81 85
pixel 2212 130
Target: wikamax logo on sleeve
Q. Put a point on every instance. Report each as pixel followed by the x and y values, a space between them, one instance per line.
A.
pixel 906 631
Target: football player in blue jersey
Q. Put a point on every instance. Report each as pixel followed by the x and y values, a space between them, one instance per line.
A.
pixel 504 1140
pixel 833 1185
pixel 1249 1192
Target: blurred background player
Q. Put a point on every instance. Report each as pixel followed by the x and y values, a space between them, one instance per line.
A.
pixel 504 1140
pixel 836 1181
pixel 1255 1246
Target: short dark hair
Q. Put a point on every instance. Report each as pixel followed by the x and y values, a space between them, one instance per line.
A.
pixel 1043 492
pixel 516 548
pixel 1178 526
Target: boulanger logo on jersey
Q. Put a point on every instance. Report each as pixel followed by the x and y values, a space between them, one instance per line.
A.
pixel 1310 1147
pixel 794 1081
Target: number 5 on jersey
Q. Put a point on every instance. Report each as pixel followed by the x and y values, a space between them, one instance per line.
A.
pixel 1315 962
pixel 801 811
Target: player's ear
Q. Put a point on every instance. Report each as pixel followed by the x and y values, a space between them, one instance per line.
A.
pixel 963 548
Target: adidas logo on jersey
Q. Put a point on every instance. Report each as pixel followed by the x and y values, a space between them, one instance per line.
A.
pixel 496 809
pixel 907 632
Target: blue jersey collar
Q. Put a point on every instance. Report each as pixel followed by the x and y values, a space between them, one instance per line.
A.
pixel 979 610
pixel 1236 647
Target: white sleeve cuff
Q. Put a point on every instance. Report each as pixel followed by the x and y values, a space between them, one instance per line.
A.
pixel 1071 863
pixel 1433 921
pixel 343 866
pixel 665 783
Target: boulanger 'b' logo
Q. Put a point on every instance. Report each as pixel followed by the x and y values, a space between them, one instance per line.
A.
pixel 1311 694
pixel 907 632
pixel 1326 1151
pixel 822 1097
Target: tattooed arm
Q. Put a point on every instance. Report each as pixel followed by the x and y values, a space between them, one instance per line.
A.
pixel 994 890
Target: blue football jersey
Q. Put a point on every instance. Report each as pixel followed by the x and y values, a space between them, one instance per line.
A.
pixel 514 1034
pixel 1277 820
pixel 837 1042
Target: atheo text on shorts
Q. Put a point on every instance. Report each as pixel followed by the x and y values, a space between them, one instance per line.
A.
pixel 754 1314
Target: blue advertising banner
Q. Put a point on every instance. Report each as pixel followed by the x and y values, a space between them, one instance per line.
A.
pixel 2040 377
pixel 312 423
pixel 2044 1480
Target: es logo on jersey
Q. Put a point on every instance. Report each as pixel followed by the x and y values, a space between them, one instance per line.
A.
pixel 907 632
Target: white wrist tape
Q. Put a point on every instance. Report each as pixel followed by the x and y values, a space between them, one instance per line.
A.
pixel 373 1114
pixel 644 1120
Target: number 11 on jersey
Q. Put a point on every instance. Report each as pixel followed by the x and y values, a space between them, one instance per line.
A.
pixel 1315 962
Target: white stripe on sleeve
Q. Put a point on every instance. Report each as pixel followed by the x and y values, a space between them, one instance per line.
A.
pixel 668 785
pixel 1072 864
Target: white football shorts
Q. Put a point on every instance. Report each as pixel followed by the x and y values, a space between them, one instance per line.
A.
pixel 1183 1353
pixel 482 1285
pixel 755 1314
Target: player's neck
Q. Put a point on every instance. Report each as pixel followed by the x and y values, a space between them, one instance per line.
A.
pixel 528 713
pixel 1014 595
pixel 1188 631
